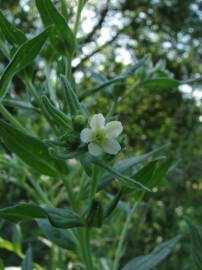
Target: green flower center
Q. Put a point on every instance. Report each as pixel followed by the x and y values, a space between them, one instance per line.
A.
pixel 98 136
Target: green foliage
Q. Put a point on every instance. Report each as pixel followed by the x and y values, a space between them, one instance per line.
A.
pixel 62 37
pixel 12 34
pixel 154 259
pixel 62 238
pixel 196 241
pixel 24 56
pixel 31 150
pixel 71 97
pixel 57 217
pixel 84 211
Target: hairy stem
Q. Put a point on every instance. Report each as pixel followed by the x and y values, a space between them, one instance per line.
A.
pixel 119 249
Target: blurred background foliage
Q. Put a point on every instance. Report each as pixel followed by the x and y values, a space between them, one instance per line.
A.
pixel 114 34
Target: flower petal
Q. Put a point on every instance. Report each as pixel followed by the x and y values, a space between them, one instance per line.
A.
pixel 94 149
pixel 97 121
pixel 113 129
pixel 111 147
pixel 85 135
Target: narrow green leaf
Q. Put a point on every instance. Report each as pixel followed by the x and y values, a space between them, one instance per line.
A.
pixel 155 258
pixel 94 217
pixel 62 37
pixel 196 243
pixel 58 116
pixel 64 218
pixel 22 212
pixel 161 83
pixel 24 56
pixel 57 217
pixel 153 173
pixel 112 205
pixel 19 104
pixel 125 180
pixel 4 244
pixel 12 34
pixel 123 165
pixel 160 173
pixel 27 263
pixel 61 237
pixel 106 84
pixel 71 97
pixel 63 155
pixel 31 150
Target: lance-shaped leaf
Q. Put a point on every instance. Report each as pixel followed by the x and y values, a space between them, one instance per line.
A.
pixel 61 237
pixel 196 243
pixel 160 173
pixel 57 217
pixel 112 205
pixel 155 258
pixel 125 180
pixel 31 150
pixel 58 116
pixel 153 173
pixel 71 97
pixel 123 166
pixel 19 104
pixel 62 37
pixel 24 56
pixel 65 154
pixel 12 34
pixel 106 84
pixel 94 216
pixel 161 83
pixel 27 263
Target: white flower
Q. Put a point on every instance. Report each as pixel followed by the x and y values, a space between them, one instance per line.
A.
pixel 100 137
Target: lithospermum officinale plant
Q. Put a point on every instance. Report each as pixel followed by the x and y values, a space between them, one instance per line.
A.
pixel 69 166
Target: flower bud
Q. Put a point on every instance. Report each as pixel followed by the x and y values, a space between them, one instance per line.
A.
pixel 95 214
pixel 79 122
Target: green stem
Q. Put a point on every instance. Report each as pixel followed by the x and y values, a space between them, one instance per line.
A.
pixel 78 16
pixel 51 90
pixel 41 193
pixel 10 118
pixel 33 91
pixel 53 262
pixel 70 192
pixel 84 239
pixel 69 69
pixel 119 249
pixel 83 233
pixel 93 186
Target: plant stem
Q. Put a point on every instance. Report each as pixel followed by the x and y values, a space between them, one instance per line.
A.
pixel 84 239
pixel 33 91
pixel 70 192
pixel 69 69
pixel 78 15
pixel 93 186
pixel 83 233
pixel 50 87
pixel 122 237
pixel 41 193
